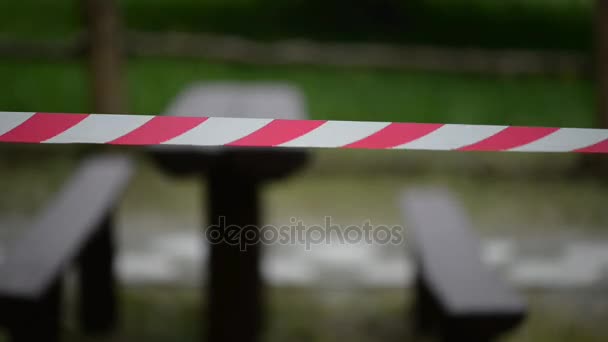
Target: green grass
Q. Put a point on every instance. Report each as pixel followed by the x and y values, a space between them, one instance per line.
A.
pixel 564 24
pixel 158 314
pixel 344 94
pixel 45 87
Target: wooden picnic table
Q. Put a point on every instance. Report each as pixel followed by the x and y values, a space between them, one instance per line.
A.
pixel 234 179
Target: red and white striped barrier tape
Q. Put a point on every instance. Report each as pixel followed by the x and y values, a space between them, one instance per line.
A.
pixel 16 127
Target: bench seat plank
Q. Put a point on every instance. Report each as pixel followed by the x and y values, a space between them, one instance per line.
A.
pixel 34 261
pixel 449 256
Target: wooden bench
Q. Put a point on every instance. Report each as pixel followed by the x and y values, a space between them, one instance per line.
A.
pixel 457 297
pixel 75 228
pixel 235 177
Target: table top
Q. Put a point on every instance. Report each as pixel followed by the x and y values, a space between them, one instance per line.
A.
pixel 237 100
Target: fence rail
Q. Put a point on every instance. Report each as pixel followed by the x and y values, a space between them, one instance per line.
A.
pixel 304 52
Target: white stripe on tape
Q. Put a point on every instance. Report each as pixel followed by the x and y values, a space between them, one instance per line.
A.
pixel 565 139
pixel 10 120
pixel 452 136
pixel 218 131
pixel 101 128
pixel 336 133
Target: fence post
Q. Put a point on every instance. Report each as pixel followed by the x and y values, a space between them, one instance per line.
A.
pixel 105 54
pixel 601 60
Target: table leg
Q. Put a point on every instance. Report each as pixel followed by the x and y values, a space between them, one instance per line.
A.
pixel 234 283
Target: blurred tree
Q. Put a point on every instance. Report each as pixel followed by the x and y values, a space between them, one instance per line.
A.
pixel 105 51
pixel 370 19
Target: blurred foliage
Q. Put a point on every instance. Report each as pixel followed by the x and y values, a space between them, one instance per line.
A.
pixel 563 24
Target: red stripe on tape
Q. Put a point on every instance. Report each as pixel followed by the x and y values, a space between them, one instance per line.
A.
pixel 395 134
pixel 600 147
pixel 278 132
pixel 158 130
pixel 510 137
pixel 42 126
